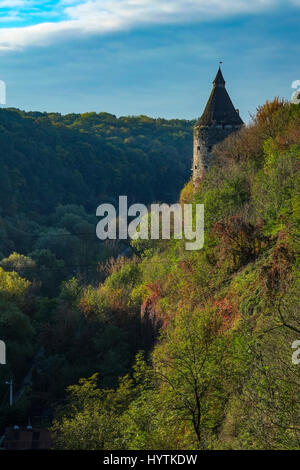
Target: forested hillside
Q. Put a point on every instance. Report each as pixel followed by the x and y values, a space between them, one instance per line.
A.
pixel 54 172
pixel 168 349
pixel 220 374
pixel 48 161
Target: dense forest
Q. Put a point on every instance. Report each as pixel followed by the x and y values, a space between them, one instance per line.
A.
pixel 55 170
pixel 165 348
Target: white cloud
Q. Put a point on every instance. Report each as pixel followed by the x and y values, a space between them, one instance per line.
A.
pixel 104 16
pixel 12 3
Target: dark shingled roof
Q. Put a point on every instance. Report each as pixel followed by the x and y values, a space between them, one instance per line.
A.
pixel 219 80
pixel 219 109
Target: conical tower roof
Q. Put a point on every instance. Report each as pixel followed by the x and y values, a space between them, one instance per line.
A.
pixel 219 80
pixel 219 109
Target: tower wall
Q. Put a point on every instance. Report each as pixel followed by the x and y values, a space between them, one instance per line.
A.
pixel 205 137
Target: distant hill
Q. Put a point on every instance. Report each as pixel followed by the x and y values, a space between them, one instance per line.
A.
pixel 50 159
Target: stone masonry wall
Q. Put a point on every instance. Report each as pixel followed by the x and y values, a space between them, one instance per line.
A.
pixel 204 140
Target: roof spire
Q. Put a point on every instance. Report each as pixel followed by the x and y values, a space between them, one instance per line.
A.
pixel 219 109
pixel 219 80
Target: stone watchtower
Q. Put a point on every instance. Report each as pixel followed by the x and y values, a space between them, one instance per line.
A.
pixel 219 120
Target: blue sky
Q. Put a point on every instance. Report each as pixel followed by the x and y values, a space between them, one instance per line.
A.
pixel 154 57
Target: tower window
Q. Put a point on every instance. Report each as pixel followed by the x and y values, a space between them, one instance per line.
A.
pixel 195 167
pixel 198 148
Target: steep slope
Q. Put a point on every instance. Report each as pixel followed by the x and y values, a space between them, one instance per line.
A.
pixel 221 374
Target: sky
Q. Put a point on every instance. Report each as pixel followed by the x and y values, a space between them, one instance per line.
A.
pixel 150 57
